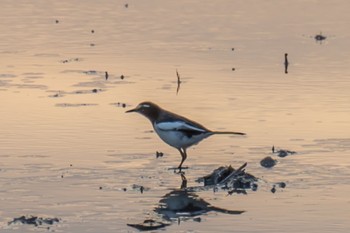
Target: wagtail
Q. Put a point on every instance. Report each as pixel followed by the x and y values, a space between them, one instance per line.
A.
pixel 175 130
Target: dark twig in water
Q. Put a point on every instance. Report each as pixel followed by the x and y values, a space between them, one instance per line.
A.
pixel 106 75
pixel 286 63
pixel 178 82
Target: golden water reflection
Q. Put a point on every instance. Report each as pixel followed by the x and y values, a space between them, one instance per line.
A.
pixel 52 118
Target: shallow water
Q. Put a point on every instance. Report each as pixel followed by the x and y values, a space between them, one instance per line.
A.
pixel 68 149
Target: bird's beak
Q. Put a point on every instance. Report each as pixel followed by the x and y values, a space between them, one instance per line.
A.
pixel 131 110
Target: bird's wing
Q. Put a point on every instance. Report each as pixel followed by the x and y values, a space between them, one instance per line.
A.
pixel 180 126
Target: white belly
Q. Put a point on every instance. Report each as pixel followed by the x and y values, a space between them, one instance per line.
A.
pixel 179 139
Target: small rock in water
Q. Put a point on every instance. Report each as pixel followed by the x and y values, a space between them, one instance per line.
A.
pixel 282 185
pixel 122 77
pixel 273 190
pixel 254 187
pixel 268 162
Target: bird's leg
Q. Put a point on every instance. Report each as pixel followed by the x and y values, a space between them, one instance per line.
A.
pixel 184 156
pixel 184 181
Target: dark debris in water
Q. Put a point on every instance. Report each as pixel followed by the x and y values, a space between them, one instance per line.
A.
pixel 283 153
pixel 159 154
pixel 230 179
pixel 57 95
pixel 71 60
pixel 278 185
pixel 320 37
pixel 91 72
pixel 120 105
pixel 95 90
pixel 34 220
pixel 139 188
pixel 78 92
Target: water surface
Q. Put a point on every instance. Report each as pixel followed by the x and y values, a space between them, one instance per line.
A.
pixel 68 149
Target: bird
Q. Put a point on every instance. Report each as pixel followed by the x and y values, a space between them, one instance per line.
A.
pixel 175 130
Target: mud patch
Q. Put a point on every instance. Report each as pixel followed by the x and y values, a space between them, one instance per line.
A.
pixel 7 76
pixel 75 105
pixel 34 220
pixel 71 60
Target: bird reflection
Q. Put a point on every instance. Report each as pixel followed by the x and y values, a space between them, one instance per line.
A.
pixel 180 205
pixel 184 204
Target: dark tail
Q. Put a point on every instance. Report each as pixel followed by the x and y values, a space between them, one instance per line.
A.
pixel 227 132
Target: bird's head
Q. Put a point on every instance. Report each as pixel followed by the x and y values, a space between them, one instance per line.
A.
pixel 148 109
